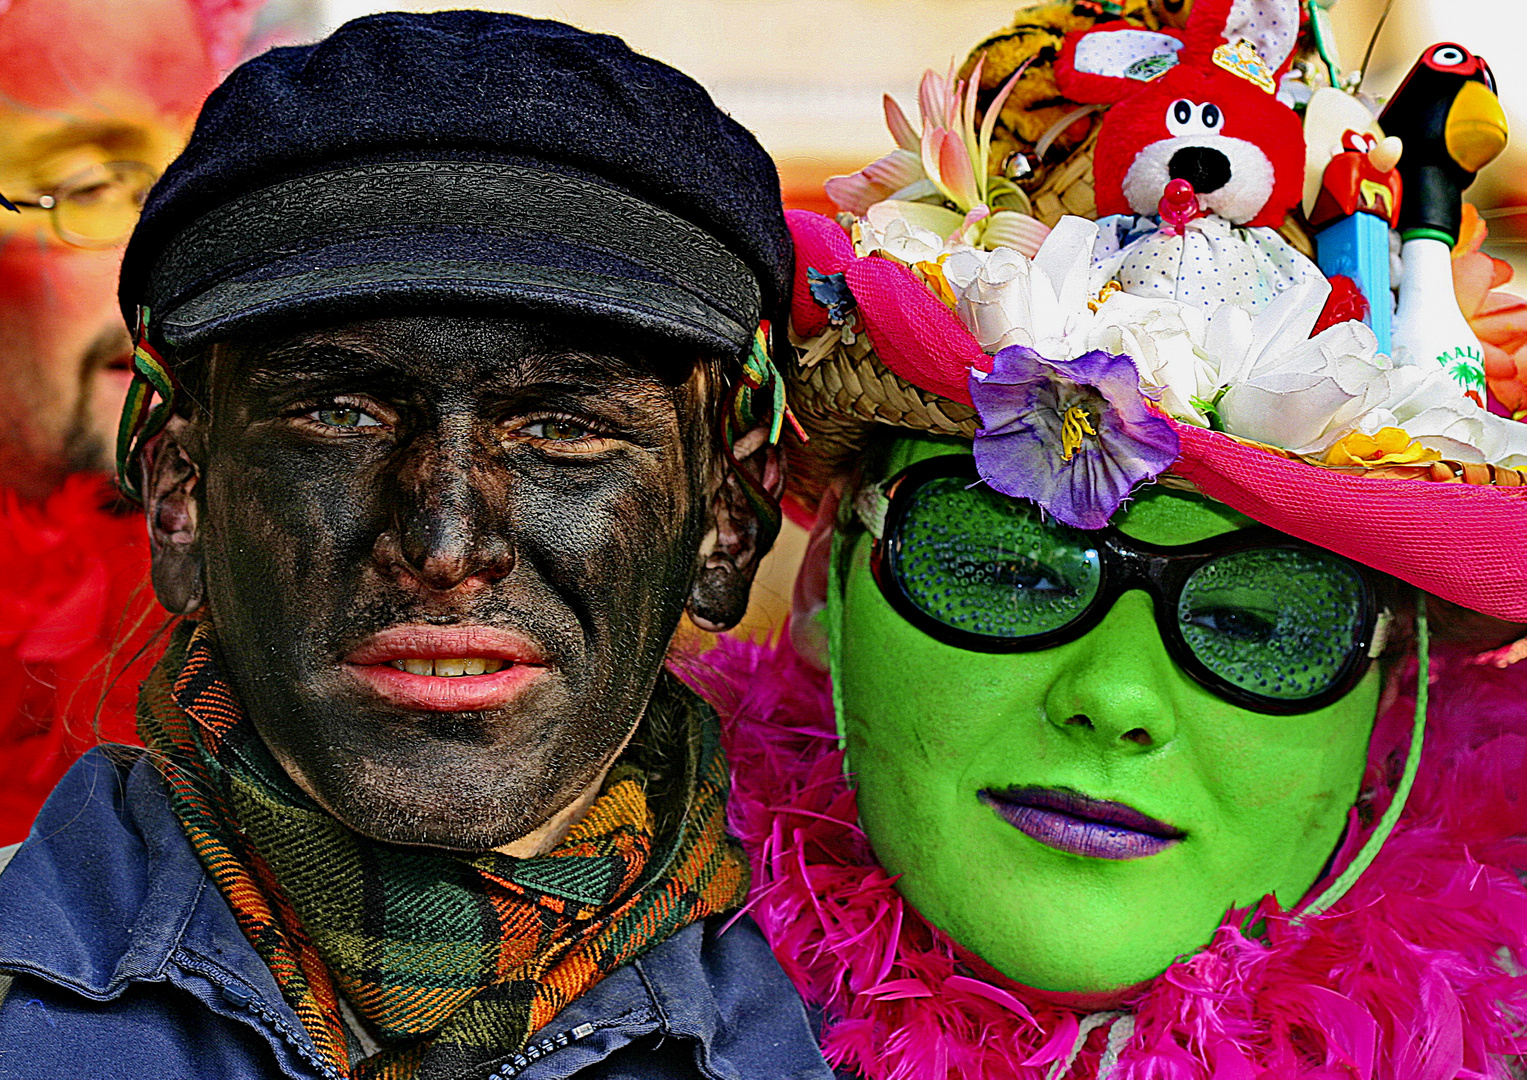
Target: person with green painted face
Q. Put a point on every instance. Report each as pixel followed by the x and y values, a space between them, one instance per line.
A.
pixel 1120 800
pixel 1107 742
pixel 1025 799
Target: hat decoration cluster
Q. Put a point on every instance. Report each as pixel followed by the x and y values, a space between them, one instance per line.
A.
pixel 1085 349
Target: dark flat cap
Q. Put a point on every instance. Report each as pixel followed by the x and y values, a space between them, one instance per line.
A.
pixel 461 157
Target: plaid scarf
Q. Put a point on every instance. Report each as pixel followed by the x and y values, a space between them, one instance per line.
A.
pixel 455 960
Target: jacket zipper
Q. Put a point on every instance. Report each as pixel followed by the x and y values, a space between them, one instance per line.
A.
pixel 521 1061
pixel 241 998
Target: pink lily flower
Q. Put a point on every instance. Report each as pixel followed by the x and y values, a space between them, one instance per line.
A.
pixel 946 160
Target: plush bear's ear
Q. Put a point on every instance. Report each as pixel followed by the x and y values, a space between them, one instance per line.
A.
pixel 1220 32
pixel 1106 66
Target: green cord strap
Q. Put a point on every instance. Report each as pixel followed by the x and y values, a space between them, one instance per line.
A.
pixel 833 613
pixel 1320 29
pixel 1370 850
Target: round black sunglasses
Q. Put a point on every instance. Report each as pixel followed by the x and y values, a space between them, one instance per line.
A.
pixel 1260 619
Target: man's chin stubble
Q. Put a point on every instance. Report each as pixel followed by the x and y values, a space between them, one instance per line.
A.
pixel 450 812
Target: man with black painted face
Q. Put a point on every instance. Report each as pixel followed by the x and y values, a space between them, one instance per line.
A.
pixel 438 324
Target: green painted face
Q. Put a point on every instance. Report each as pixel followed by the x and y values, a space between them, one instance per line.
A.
pixel 1261 799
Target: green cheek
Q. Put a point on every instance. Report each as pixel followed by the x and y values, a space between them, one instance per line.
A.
pixel 1262 799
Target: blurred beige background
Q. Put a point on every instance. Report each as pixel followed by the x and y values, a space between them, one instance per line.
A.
pixel 807 77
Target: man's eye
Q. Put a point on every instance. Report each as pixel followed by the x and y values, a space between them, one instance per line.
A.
pixel 345 418
pixel 88 195
pixel 556 430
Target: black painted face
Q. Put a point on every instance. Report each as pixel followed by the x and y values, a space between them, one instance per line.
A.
pixel 464 488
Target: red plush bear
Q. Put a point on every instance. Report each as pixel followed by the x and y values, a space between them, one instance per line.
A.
pixel 1200 105
pixel 1197 111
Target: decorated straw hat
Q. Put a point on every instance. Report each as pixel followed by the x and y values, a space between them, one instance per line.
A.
pixel 940 301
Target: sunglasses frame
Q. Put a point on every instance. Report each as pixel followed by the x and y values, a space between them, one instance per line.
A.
pixel 1124 564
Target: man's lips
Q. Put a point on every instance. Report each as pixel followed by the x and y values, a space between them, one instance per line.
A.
pixel 507 661
pixel 1078 825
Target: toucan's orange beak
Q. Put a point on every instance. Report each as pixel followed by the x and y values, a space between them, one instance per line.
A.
pixel 1475 132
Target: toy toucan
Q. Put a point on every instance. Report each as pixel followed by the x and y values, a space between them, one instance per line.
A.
pixel 1452 125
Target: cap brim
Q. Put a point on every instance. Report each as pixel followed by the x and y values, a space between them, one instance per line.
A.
pixel 449 268
pixel 363 238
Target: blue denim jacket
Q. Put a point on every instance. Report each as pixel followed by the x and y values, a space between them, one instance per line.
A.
pixel 125 961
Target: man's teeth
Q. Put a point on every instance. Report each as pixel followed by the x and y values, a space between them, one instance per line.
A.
pixel 449 668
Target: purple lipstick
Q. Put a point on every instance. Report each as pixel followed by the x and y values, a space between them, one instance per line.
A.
pixel 1071 822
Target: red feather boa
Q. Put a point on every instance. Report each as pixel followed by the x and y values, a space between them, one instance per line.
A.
pixel 1414 975
pixel 75 608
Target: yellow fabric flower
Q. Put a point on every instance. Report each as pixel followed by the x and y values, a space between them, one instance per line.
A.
pixel 1387 446
pixel 933 274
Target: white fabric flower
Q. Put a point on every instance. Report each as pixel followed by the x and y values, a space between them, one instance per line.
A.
pixel 911 232
pixel 1006 299
pixel 994 296
pixel 1306 398
pixel 1286 388
pixel 1165 340
pixel 1431 408
pixel 1060 307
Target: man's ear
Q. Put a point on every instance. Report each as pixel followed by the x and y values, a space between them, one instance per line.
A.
pixel 170 477
pixel 718 598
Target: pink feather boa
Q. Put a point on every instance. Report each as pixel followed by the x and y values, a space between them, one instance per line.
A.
pixel 1413 975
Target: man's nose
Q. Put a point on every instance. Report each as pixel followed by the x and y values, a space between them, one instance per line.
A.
pixel 1113 689
pixel 449 522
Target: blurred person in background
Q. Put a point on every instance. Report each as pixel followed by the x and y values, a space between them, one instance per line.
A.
pixel 96 96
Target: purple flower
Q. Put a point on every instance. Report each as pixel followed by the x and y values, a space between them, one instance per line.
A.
pixel 1073 436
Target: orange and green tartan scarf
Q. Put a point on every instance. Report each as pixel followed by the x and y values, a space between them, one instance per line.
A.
pixel 454 960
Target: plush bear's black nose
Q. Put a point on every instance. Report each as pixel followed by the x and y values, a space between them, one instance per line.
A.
pixel 1207 170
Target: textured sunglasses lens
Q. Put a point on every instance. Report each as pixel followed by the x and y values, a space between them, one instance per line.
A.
pixel 990 565
pixel 1278 622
